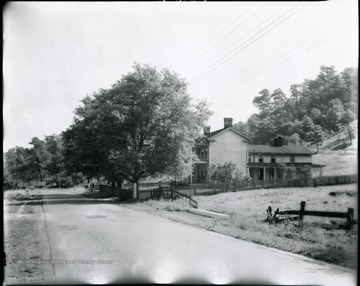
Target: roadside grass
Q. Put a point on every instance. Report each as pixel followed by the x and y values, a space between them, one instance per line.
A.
pixel 173 206
pixel 25 239
pixel 247 211
pixel 12 195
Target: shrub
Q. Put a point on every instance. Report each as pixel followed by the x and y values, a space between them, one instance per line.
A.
pixel 226 177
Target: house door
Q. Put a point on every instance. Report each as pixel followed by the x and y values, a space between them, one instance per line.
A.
pixel 260 174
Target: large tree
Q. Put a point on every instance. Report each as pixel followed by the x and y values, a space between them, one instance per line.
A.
pixel 141 126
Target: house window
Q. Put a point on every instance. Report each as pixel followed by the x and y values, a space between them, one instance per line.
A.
pixel 273 159
pixel 249 159
pixel 292 159
pixel 261 158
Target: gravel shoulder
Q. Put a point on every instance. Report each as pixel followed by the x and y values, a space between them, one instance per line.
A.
pixel 26 243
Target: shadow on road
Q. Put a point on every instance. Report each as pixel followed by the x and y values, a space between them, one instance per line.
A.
pixel 54 199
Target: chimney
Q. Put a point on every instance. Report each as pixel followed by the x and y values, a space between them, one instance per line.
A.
pixel 278 141
pixel 206 130
pixel 228 122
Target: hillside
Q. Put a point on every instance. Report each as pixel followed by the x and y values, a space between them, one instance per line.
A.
pixel 337 155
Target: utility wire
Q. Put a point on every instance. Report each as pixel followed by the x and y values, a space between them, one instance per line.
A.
pixel 219 41
pixel 287 52
pixel 213 38
pixel 243 36
pixel 288 75
pixel 225 59
pixel 219 63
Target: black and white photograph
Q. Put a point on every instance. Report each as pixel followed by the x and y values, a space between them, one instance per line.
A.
pixel 185 142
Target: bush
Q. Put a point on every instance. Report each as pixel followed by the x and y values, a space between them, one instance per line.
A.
pixel 66 182
pixel 226 177
pixel 124 194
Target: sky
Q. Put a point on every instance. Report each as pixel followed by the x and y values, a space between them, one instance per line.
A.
pixel 56 53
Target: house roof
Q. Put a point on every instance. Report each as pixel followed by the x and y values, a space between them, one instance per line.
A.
pixel 285 149
pixel 212 134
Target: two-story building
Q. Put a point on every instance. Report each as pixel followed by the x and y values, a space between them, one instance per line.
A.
pixel 258 161
pixel 218 147
pixel 264 160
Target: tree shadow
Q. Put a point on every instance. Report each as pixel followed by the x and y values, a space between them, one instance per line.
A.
pixel 55 199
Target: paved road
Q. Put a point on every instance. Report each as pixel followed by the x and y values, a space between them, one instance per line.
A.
pixel 96 243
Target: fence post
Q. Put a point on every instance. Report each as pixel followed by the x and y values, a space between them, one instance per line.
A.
pixel 350 217
pixel 302 210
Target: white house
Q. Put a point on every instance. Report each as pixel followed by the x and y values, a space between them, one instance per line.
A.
pixel 258 161
pixel 218 147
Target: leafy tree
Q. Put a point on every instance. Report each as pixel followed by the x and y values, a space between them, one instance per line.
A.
pixel 297 100
pixel 316 136
pixel 345 120
pixel 323 99
pixel 38 157
pixel 263 101
pixel 307 126
pixel 16 167
pixel 294 139
pixel 333 115
pixel 54 147
pixel 278 97
pixel 316 116
pixel 350 99
pixel 138 127
pixel 241 127
pixel 262 130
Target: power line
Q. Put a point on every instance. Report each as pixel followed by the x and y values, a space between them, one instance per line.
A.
pixel 215 44
pixel 219 63
pixel 287 75
pixel 262 69
pixel 245 35
pixel 225 59
pixel 213 38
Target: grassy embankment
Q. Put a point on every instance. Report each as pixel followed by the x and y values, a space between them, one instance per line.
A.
pixel 337 155
pixel 25 239
pixel 247 210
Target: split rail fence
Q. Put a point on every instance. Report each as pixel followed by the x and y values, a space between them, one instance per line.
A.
pixel 349 215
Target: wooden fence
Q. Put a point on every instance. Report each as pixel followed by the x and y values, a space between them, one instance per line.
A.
pixel 169 193
pixel 216 188
pixel 349 215
pixel 335 180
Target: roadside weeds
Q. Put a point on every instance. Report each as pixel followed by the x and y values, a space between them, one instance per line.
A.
pixel 26 242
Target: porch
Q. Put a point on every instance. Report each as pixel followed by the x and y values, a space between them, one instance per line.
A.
pixel 200 173
pixel 263 172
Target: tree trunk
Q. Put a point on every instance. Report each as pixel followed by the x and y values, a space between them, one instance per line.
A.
pixel 136 189
pixel 119 182
pixel 349 130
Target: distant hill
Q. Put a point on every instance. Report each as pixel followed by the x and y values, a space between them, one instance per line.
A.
pixel 339 157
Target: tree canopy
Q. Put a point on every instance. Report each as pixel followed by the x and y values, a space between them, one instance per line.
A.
pixel 141 126
pixel 313 108
pixel 40 162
